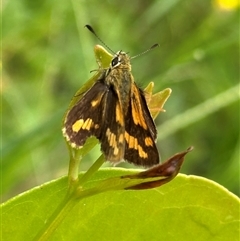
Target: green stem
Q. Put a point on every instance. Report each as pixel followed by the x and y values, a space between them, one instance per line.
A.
pixel 96 165
pixel 54 221
pixel 75 194
pixel 75 158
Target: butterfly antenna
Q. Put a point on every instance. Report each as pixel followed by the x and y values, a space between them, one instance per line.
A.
pixel 91 30
pixel 154 46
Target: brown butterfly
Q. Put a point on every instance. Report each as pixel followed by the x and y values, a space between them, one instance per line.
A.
pixel 114 110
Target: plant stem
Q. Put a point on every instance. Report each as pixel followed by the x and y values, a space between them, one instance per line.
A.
pixel 75 158
pixel 73 196
pixel 96 165
pixel 57 217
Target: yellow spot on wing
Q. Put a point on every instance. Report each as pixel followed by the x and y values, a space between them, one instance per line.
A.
pixel 87 124
pixel 137 112
pixel 81 124
pixel 95 102
pixel 121 138
pixel 112 141
pixel 148 141
pixel 133 143
pixel 115 151
pixel 141 152
pixel 77 125
pixel 119 114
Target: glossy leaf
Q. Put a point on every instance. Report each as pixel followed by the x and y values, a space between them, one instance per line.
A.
pixel 187 208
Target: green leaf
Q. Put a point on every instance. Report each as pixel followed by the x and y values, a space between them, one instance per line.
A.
pixel 156 102
pixel 187 208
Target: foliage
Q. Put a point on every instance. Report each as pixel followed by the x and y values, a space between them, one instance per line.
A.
pixel 47 56
pixel 202 211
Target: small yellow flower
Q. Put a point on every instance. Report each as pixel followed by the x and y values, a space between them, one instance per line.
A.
pixel 227 5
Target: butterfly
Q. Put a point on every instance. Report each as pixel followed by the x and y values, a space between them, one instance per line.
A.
pixel 115 111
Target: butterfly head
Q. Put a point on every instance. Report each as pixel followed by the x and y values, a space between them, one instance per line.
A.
pixel 120 60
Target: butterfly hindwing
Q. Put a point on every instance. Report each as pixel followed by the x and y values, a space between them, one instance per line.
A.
pixel 84 119
pixel 112 133
pixel 140 132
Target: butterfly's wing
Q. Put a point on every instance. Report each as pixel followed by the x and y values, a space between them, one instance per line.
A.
pixel 84 119
pixel 95 114
pixel 112 133
pixel 140 132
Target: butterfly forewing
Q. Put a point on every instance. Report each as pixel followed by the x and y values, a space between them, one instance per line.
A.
pixel 84 119
pixel 140 132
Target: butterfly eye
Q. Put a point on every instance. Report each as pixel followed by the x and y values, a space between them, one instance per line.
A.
pixel 115 62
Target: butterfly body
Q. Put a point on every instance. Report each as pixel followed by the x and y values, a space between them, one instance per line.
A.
pixel 114 110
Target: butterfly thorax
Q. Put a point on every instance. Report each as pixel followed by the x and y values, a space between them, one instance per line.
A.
pixel 119 78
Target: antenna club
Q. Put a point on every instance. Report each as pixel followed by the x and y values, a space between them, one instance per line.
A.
pixel 89 28
pixel 154 46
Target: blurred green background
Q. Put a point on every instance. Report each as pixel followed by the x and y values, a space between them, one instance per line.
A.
pixel 48 54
